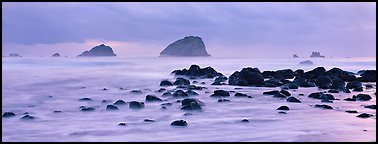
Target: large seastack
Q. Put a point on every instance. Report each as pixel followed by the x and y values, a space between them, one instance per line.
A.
pixel 101 50
pixel 189 46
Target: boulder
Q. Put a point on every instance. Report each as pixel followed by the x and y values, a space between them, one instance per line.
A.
pixel 8 114
pixel 321 95
pixel 166 83
pixel 180 93
pixel 84 108
pixel 181 81
pixel 323 106
pixel 223 100
pixel 283 108
pixel 363 97
pixel 364 115
pixel 120 102
pixel 246 77
pixel 286 93
pixel 323 79
pixel 371 106
pixel 353 84
pixel 85 99
pixel 368 76
pixel 196 72
pixel 240 95
pixel 273 92
pixel 111 107
pixel 191 104
pixel 136 105
pixel 152 98
pixel 293 99
pixel 351 111
pixel 179 123
pixel 220 93
pixel 27 117
pixel 56 55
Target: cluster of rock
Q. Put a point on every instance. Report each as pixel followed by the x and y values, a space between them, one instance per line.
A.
pixel 196 72
pixel 316 55
pixel 14 55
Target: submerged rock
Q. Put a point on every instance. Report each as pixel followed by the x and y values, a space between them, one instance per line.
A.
pixel 148 120
pixel 98 51
pixel 371 106
pixel 240 95
pixel 351 111
pixel 136 105
pixel 27 117
pixel 283 108
pixel 8 114
pixel 111 107
pixel 122 124
pixel 322 96
pixel 189 46
pixel 179 93
pixel 120 102
pixel 196 72
pixel 179 123
pixel 224 100
pixel 220 93
pixel 323 106
pixel 191 104
pixel 245 120
pixel 181 81
pixel 166 83
pixel 56 55
pixel 14 55
pixel 293 99
pixel 85 99
pixel 364 115
pixel 152 98
pixel 84 108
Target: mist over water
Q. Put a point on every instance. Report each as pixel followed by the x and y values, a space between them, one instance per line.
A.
pixel 29 81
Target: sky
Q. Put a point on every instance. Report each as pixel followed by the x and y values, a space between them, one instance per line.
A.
pixel 248 29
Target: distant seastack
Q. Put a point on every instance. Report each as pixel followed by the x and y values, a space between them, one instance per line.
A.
pixel 189 46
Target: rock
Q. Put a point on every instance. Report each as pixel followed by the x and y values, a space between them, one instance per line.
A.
pixel 358 89
pixel 368 86
pixel 180 93
pixel 284 74
pixel 98 51
pixel 224 100
pixel 346 91
pixel 283 108
pixel 104 89
pixel 120 102
pixel 327 101
pixel 272 83
pixel 325 86
pixel 306 62
pixel 240 95
pixel 246 77
pixel 203 83
pixel 295 56
pixel 111 107
pixel 161 90
pixel 293 99
pixel 181 81
pixel 371 106
pixel 219 80
pixel 14 55
pixel 179 123
pixel 8 114
pixel 136 91
pixel 337 73
pixel 364 115
pixel 354 84
pixel 291 85
pixel 196 72
pixel 279 95
pixel 301 94
pixel 286 93
pixel 271 92
pixel 338 84
pixel 316 55
pixel 56 55
pixel 351 111
pixel 193 87
pixel 323 106
pixel 166 104
pixel 245 120
pixel 282 112
pixel 189 46
pixel 322 96
pixel 148 120
pixel 136 105
pixel 363 97
pixel 84 108
pixel 333 91
pixel 57 111
pixel 85 99
pixel 122 124
pixel 350 99
pixel 321 80
pixel 152 98
pixel 368 76
pixel 191 104
pixel 220 93
pixel 27 117
pixel 166 94
pixel 166 83
pixel 191 93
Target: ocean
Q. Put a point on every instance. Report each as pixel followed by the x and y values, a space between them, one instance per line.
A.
pixel 42 85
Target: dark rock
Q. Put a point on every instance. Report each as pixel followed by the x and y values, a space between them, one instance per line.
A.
pixel 351 111
pixel 246 77
pixel 321 95
pixel 193 87
pixel 136 91
pixel 180 93
pixel 333 91
pixel 122 124
pixel 56 55
pixel 136 105
pixel 354 84
pixel 104 89
pixel 196 72
pixel 163 107
pixel 350 99
pixel 203 83
pixel 166 94
pixel 327 101
pixel 191 93
pixel 368 86
pixel 85 99
pixel 323 106
pixel 371 106
pixel 240 95
pixel 223 100
pixel 152 98
pixel 120 102
pixel 57 111
pixel 14 55
pixel 271 92
pixel 161 90
pixel 323 80
pixel 149 120
pixel 181 81
pixel 346 91
pixel 337 73
pixel 194 82
pixel 284 74
pixel 293 99
pixel 219 80
pixel 338 84
pixel 101 50
pixel 364 115
pixel 363 97
pixel 291 85
pixel 358 89
pixel 166 104
pixel 8 114
pixel 325 86
pixel 279 95
pixel 191 104
pixel 111 107
pixel 179 123
pixel 245 120
pixel 272 83
pixel 295 56
pixel 282 112
pixel 301 94
pixel 27 117
pixel 368 76
pixel 84 108
pixel 220 93
pixel 186 114
pixel 166 83
pixel 283 108
pixel 285 92
pixel 189 46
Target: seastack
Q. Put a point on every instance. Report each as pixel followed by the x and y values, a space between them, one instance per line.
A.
pixel 189 46
pixel 316 55
pixel 98 51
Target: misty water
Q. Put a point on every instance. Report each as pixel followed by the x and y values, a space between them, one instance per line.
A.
pixel 42 85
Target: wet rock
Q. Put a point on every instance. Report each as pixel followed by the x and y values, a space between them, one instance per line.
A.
pixel 136 91
pixel 359 89
pixel 104 89
pixel 271 92
pixel 337 73
pixel 166 83
pixel 163 107
pixel 346 91
pixel 85 99
pixel 111 107
pixel 197 72
pixel 166 94
pixel 291 85
pixel 152 98
pixel 203 83
pixel 186 114
pixel 191 93
pixel 181 81
pixel 368 76
pixel 272 83
pixel 306 62
pixel 240 95
pixel 219 80
pixel 223 100
pixel 323 79
pixel 327 101
pixel 8 114
pixel 148 120
pixel 325 86
pixel 246 77
pixel 321 95
pixel 333 91
pixel 180 93
pixel 27 117
pixel 220 93
pixel 179 123
pixel 245 120
pixel 84 108
pixel 57 111
pixel 161 90
pixel 371 106
pixel 323 106
pixel 120 102
pixel 350 99
pixel 282 112
pixel 363 97
pixel 122 124
pixel 136 105
pixel 279 95
pixel 354 84
pixel 191 104
pixel 364 115
pixel 337 84
pixel 286 93
pixel 193 87
pixel 368 86
pixel 166 104
pixel 293 99
pixel 301 94
pixel 283 108
pixel 351 111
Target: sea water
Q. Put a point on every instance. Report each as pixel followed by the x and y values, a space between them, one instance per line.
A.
pixel 42 85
